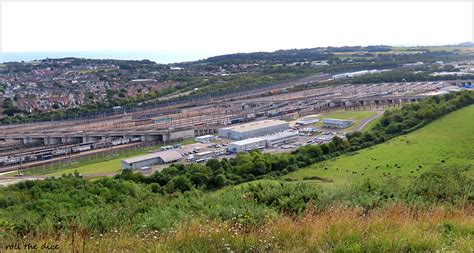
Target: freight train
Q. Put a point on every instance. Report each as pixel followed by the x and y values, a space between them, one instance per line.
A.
pixel 242 119
pixel 47 154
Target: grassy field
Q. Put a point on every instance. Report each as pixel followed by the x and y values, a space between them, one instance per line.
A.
pixel 391 229
pixel 356 116
pixel 94 166
pixel 404 51
pixel 448 141
pixel 108 164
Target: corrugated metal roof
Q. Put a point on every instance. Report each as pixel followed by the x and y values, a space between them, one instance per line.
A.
pixel 336 121
pixel 306 121
pixel 166 156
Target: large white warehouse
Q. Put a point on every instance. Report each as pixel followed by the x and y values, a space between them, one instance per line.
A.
pixel 253 129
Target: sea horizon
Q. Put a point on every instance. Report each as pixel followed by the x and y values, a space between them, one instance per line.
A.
pixel 162 57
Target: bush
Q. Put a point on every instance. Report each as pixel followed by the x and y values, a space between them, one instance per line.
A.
pixel 442 185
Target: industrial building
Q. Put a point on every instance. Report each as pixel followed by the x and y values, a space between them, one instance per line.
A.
pixel 247 145
pixel 355 74
pixel 262 142
pixel 254 129
pixel 280 138
pixel 205 138
pixel 307 121
pixel 161 157
pixel 337 123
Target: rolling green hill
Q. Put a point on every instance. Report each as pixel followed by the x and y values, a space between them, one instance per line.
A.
pixel 448 141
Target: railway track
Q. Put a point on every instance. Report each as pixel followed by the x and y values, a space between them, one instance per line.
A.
pixel 214 113
pixel 39 163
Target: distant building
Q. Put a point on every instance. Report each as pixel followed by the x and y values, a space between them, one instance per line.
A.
pixel 319 63
pixel 161 157
pixel 413 64
pixel 355 74
pixel 143 80
pixel 445 73
pixel 205 138
pixel 337 123
pixel 254 129
pixel 307 121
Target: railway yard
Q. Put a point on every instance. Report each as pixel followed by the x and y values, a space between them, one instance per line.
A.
pixel 31 144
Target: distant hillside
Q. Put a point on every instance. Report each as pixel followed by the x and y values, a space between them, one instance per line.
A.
pixel 466 44
pixel 447 142
pixel 292 55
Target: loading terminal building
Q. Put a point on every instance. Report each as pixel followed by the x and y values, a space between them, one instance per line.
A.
pixel 337 123
pixel 254 129
pixel 161 157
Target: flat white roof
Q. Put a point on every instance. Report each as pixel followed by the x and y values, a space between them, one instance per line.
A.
pixel 256 125
pixel 205 136
pixel 166 156
pixel 280 135
pixel 247 141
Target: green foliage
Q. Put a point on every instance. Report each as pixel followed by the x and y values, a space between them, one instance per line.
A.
pixel 287 198
pixel 443 185
pixel 59 205
pixel 411 117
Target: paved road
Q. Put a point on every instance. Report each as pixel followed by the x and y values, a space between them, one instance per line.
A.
pixel 366 121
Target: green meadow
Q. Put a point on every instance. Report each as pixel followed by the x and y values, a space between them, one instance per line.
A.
pixel 356 116
pixel 448 141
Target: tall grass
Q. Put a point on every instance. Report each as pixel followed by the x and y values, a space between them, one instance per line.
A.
pixel 394 228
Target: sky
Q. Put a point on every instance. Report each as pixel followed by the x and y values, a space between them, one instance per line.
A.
pixel 181 31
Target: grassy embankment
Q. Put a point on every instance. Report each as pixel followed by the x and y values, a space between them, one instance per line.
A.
pixel 356 116
pixel 448 141
pixel 391 229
